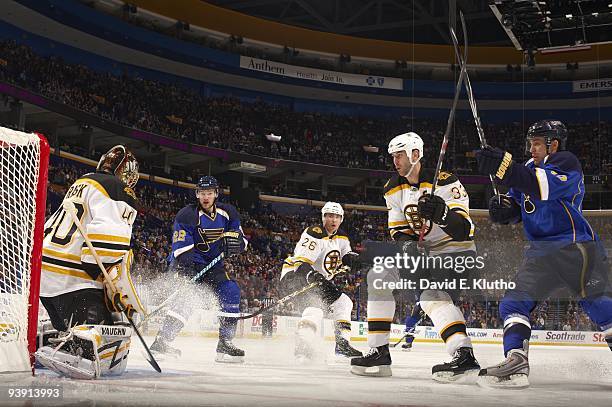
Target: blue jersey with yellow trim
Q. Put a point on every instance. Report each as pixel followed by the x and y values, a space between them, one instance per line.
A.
pixel 550 196
pixel 197 235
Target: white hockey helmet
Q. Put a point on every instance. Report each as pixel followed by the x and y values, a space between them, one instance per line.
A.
pixel 407 142
pixel 332 207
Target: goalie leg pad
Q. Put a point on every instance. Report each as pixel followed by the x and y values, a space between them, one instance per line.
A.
pixel 229 298
pixel 447 318
pixel 88 351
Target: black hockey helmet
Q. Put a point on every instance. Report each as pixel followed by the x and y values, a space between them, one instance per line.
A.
pixel 207 182
pixel 120 161
pixel 548 129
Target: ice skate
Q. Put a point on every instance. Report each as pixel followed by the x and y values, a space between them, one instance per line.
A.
pixel 462 365
pixel 345 350
pixel 407 346
pixel 227 352
pixel 162 348
pixel 377 363
pixel 512 373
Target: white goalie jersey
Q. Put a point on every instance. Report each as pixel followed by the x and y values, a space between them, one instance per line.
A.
pixel 322 251
pixel 107 209
pixel 402 202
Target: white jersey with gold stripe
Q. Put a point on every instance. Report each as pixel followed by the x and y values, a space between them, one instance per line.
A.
pixel 402 201
pixel 319 249
pixel 107 210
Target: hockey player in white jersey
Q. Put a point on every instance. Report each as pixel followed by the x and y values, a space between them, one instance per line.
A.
pixel 91 340
pixel 319 252
pixel 448 232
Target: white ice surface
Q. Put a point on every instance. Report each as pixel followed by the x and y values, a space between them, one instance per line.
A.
pixel 560 376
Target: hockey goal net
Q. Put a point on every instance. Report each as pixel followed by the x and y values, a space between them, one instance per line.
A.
pixel 24 162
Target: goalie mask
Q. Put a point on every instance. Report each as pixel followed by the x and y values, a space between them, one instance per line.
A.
pixel 120 162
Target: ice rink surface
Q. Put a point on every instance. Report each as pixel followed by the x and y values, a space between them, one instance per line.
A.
pixel 560 376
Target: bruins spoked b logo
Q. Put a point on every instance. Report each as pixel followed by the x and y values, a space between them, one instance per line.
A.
pixel 415 222
pixel 332 261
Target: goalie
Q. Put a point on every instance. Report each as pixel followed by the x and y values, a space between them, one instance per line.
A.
pixel 91 340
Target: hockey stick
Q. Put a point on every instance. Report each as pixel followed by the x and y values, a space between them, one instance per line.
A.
pixel 449 123
pixel 70 208
pixel 470 93
pixel 286 298
pixel 399 341
pixel 171 297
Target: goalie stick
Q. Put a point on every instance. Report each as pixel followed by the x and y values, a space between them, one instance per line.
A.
pixel 470 94
pixel 71 209
pixel 451 118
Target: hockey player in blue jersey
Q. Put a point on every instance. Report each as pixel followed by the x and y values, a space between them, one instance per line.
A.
pixel 205 232
pixel 412 320
pixel 546 195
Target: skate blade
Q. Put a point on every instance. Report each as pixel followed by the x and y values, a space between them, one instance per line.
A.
pixel 515 381
pixel 467 377
pixel 406 349
pixel 225 358
pixel 373 371
pixel 341 359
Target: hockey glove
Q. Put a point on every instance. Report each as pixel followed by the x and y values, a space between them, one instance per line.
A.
pixel 311 275
pixel 504 210
pixel 314 276
pixel 118 303
pixel 232 243
pixel 433 208
pixel 496 162
pixel 125 298
pixel 351 260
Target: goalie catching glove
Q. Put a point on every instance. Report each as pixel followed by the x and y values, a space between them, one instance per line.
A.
pixel 126 298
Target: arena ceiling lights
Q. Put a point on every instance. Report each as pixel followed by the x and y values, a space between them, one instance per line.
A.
pixel 554 25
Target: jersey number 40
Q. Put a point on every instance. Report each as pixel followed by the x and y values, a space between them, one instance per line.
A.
pixel 62 218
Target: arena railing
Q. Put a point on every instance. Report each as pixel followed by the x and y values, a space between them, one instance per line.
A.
pixel 477 213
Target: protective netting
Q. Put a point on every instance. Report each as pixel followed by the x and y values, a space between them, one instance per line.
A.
pixel 19 174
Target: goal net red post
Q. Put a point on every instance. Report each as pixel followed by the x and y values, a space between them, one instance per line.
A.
pixel 24 162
